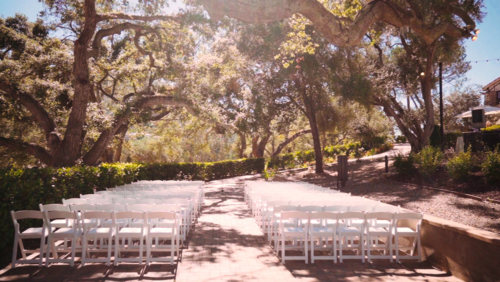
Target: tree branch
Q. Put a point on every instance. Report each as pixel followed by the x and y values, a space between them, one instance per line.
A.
pixel 289 140
pixel 32 149
pixel 36 109
pixel 122 16
pixel 333 28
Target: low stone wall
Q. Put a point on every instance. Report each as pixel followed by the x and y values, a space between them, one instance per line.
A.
pixel 466 252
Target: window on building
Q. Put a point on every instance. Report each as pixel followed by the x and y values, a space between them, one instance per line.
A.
pixel 498 97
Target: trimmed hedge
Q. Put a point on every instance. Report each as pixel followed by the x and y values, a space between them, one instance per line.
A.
pixel 25 189
pixel 291 160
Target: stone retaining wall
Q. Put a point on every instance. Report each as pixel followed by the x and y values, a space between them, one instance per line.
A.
pixel 466 252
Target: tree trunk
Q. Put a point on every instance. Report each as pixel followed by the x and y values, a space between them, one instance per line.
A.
pixel 311 116
pixel 118 151
pixel 289 140
pixel 259 147
pixel 243 145
pixel 69 151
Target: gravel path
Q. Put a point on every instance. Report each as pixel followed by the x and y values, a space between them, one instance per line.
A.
pixel 366 179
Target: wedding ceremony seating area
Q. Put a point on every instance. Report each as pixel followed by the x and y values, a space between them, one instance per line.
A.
pixel 147 218
pixel 302 221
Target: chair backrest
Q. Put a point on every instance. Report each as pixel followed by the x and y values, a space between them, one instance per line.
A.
pixel 103 192
pixel 113 196
pixel 125 201
pixel 111 207
pixel 312 208
pixel 286 208
pixel 141 207
pixel 83 207
pixel 295 215
pixel 151 201
pixel 102 201
pixel 54 207
pixel 361 208
pixel 75 201
pixel 351 215
pixel 337 208
pixel 411 216
pixel 380 215
pixel 49 215
pixel 177 201
pixel 91 196
pixel 99 215
pixel 168 207
pixel 26 214
pixel 324 215
pixel 386 208
pixel 125 193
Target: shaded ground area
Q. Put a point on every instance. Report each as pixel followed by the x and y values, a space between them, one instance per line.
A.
pixel 366 179
pixel 227 245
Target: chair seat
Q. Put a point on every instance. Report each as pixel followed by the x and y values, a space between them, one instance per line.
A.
pixel 312 221
pixel 162 231
pixel 349 230
pixel 321 230
pixel 293 230
pixel 66 232
pixel 119 222
pixel 34 232
pixel 405 231
pixel 100 232
pixel 378 230
pixel 131 231
pixel 61 223
pixel 91 222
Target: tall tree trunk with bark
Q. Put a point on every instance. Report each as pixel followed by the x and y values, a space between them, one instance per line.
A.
pixel 243 145
pixel 311 117
pixel 259 147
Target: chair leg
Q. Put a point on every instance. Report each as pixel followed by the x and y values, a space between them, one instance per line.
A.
pixel 283 248
pixel 305 247
pixel 84 250
pixel 117 251
pixel 21 246
pixel 14 251
pixel 109 250
pixel 141 245
pixel 312 249
pixel 419 248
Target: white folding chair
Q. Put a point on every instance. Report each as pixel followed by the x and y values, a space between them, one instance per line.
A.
pixel 73 233
pixel 165 233
pixel 375 232
pixel 125 201
pixel 128 234
pixel 322 233
pixel 58 223
pixel 75 201
pixel 150 201
pixel 93 233
pixel 91 196
pixel 139 208
pixel 113 208
pixel 407 232
pixel 171 223
pixel 298 234
pixel 102 201
pixel 347 234
pixel 113 196
pixel 276 221
pixel 30 233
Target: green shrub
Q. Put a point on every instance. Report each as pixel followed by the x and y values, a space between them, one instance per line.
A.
pixel 491 167
pixel 405 165
pixel 400 139
pixel 428 160
pixel 459 166
pixel 25 189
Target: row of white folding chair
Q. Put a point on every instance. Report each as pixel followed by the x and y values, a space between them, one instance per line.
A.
pixel 87 232
pixel 271 217
pixel 343 235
